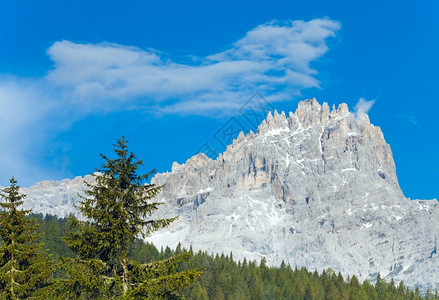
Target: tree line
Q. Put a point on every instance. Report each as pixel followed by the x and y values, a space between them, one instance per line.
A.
pixel 224 277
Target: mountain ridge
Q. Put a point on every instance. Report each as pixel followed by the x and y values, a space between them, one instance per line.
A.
pixel 319 183
pixel 317 189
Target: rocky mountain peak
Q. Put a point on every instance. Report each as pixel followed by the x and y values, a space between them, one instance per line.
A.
pixel 314 140
pixel 317 189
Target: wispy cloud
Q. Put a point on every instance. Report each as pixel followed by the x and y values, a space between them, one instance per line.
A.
pixel 274 57
pixel 363 105
pixel 27 119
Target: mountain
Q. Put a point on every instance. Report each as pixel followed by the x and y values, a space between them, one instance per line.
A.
pixel 317 189
pixel 55 197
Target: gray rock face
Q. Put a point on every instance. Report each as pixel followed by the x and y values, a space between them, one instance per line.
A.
pixel 55 197
pixel 317 189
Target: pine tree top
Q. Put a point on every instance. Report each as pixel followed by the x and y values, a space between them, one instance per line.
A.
pixel 11 196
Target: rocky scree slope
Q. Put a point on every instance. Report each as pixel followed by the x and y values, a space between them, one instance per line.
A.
pixel 317 189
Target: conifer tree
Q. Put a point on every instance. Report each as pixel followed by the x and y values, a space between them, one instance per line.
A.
pixel 24 267
pixel 115 207
pixel 199 293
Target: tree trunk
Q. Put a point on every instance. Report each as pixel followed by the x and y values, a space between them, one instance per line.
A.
pixel 12 272
pixel 125 275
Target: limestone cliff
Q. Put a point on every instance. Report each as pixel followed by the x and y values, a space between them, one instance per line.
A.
pixel 317 189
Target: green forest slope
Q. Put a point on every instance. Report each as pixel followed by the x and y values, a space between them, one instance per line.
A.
pixel 224 278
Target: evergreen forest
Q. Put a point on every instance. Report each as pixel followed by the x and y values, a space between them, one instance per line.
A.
pixel 224 278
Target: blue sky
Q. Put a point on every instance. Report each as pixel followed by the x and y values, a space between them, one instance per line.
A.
pixel 74 76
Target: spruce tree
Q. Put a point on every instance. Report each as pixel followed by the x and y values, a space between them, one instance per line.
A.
pixel 117 208
pixel 24 267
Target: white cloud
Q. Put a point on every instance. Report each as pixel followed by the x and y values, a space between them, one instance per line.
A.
pixel 272 58
pixel 363 105
pixel 22 117
pixel 31 117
